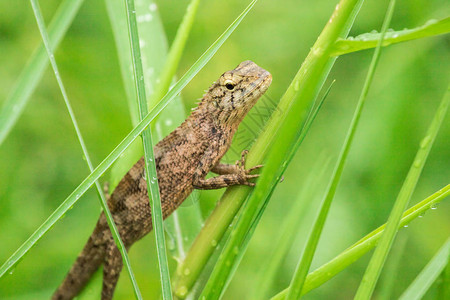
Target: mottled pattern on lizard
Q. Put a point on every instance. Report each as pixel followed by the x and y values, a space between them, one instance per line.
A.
pixel 183 159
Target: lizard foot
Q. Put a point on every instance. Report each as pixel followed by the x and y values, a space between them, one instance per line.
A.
pixel 245 173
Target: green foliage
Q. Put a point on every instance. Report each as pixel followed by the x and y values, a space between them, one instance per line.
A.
pixel 41 163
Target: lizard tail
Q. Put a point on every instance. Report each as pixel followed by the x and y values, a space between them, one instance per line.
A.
pixel 82 270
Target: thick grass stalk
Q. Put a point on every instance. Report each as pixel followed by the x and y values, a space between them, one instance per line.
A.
pixel 120 148
pixel 299 277
pixel 365 244
pixel 428 275
pixel 376 263
pixel 32 73
pixel 109 219
pixel 150 165
pixel 299 97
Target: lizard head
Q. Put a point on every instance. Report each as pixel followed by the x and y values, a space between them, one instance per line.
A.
pixel 236 91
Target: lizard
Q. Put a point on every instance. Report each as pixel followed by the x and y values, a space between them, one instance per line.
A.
pixel 183 159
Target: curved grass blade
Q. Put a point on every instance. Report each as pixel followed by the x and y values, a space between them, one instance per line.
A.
pixel 302 269
pixel 370 40
pixel 376 263
pixel 364 245
pixel 109 219
pixel 120 148
pixel 299 97
pixel 429 274
pixel 32 73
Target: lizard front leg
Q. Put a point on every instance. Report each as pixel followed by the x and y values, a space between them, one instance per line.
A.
pixel 223 169
pixel 229 174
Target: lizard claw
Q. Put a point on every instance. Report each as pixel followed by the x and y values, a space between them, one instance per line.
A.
pixel 245 173
pixel 241 163
pixel 254 168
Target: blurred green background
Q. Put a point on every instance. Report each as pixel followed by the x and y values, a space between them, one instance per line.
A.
pixel 41 161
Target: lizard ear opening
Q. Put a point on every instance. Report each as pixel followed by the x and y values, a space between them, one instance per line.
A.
pixel 229 84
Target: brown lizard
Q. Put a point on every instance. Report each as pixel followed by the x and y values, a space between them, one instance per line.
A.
pixel 183 159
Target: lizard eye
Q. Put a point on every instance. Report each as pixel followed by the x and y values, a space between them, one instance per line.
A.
pixel 229 84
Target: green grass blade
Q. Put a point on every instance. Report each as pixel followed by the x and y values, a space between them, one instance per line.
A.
pixel 376 263
pixel 288 231
pixel 176 50
pixel 444 282
pixel 150 165
pixel 364 245
pixel 429 274
pixel 370 40
pixel 110 221
pixel 119 25
pixel 393 269
pixel 120 148
pixel 299 277
pixel 299 96
pixel 153 45
pixel 183 224
pixel 305 129
pixel 32 73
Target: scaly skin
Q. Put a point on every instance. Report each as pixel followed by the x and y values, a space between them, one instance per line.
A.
pixel 182 159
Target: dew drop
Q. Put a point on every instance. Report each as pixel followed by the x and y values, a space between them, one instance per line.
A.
pixel 417 163
pixel 405 226
pixel 182 291
pixel 425 142
pixel 187 271
pixel 153 7
pixel 433 206
pixel 213 243
pixel 431 22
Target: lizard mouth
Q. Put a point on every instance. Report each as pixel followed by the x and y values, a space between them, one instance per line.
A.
pixel 259 86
